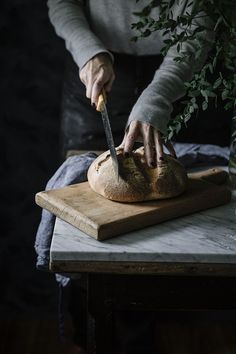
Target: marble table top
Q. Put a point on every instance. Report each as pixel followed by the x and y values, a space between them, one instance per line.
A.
pixel 204 237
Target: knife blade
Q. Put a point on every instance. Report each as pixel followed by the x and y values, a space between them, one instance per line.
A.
pixel 101 107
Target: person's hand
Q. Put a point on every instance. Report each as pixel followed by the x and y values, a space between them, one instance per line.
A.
pixel 97 74
pixel 152 141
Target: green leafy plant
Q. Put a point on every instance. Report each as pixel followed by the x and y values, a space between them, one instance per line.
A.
pixel 202 88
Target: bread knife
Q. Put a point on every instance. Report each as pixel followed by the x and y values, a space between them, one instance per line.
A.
pixel 101 107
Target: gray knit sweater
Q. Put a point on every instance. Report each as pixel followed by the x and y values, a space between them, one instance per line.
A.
pixel 106 27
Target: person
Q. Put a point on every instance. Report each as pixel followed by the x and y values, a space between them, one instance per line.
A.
pixel 142 87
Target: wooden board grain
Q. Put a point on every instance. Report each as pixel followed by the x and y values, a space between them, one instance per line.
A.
pixel 100 218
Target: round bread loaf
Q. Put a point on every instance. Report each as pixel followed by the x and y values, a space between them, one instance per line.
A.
pixel 137 182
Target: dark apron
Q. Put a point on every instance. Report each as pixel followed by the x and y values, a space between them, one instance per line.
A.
pixel 82 127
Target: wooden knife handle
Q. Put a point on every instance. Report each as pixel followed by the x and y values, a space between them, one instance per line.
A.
pixel 213 175
pixel 102 99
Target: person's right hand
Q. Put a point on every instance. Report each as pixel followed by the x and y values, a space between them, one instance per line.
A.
pixel 97 74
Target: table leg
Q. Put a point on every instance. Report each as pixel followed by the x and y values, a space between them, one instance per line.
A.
pixel 100 314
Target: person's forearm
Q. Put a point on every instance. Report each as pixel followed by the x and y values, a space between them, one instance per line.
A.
pixel 155 104
pixel 70 23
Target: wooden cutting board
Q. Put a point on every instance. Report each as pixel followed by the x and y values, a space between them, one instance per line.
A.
pixel 101 218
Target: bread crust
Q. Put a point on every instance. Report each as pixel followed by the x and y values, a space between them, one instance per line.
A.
pixel 137 182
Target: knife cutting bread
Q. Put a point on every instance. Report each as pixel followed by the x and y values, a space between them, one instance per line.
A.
pixel 137 182
pixel 101 107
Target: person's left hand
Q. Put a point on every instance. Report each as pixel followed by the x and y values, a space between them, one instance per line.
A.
pixel 152 141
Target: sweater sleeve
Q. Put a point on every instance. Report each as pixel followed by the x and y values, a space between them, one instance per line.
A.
pixel 154 106
pixel 70 23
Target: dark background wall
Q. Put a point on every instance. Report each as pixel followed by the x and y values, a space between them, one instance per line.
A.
pixel 31 72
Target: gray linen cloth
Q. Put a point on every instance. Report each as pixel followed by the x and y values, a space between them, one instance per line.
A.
pixel 198 155
pixel 74 170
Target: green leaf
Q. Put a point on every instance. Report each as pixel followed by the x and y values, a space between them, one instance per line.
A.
pixel 228 105
pixel 194 93
pixel 178 59
pixel 210 66
pixel 187 84
pixel 139 25
pixel 166 32
pixel 226 83
pixel 225 94
pixel 170 135
pixel 211 93
pixel 178 127
pixel 219 20
pixel 214 62
pixel 187 117
pixel 167 41
pixel 190 4
pixel 146 33
pixel 191 109
pixel 204 105
pixel 205 95
pixel 217 83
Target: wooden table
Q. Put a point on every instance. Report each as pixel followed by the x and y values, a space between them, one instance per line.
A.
pixel 185 264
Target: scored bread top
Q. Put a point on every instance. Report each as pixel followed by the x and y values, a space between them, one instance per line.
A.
pixel 137 182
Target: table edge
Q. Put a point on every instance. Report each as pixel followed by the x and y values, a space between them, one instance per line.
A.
pixel 155 268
